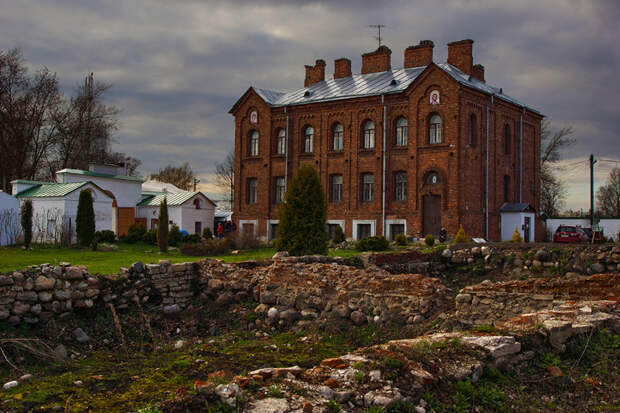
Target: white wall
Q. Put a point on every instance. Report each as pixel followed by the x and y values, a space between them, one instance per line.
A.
pixel 102 206
pixel 373 227
pixel 611 227
pixel 512 220
pixel 9 219
pixel 127 193
pixel 554 223
pixel 190 215
pixel 149 213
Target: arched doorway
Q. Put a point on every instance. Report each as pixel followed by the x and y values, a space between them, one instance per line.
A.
pixel 431 203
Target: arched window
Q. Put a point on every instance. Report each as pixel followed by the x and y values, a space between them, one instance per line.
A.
pixel 281 142
pixel 337 136
pixel 368 138
pixel 309 139
pixel 401 132
pixel 197 203
pixel 507 142
pixel 400 186
pixel 472 131
pixel 432 178
pixel 254 143
pixel 434 129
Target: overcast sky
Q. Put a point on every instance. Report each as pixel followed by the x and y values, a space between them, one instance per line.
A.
pixel 178 66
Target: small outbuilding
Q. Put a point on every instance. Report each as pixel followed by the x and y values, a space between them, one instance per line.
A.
pixel 9 219
pixel 520 216
pixel 190 211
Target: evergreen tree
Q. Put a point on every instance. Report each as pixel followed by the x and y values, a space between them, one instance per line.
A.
pixel 27 222
pixel 85 220
pixel 303 215
pixel 162 228
pixel 461 237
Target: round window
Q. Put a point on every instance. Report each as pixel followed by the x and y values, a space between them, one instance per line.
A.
pixel 433 178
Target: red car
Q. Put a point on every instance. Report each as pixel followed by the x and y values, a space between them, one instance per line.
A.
pixel 566 233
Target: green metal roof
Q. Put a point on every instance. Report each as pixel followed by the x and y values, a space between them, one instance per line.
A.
pixel 26 181
pixel 99 175
pixel 173 199
pixel 50 190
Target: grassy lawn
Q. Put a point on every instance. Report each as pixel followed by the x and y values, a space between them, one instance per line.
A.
pixel 109 262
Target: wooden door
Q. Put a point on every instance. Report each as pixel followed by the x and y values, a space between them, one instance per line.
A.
pixel 431 216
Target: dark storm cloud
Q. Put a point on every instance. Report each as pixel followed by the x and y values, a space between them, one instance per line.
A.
pixel 177 67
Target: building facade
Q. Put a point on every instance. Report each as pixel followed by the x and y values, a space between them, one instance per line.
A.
pixel 406 150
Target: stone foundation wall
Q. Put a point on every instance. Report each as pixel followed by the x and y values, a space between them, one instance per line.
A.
pixel 489 302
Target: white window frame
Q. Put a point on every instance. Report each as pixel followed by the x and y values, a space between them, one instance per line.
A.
pixel 401 131
pixel 373 226
pixel 281 142
pixel 390 222
pixel 434 131
pixel 270 222
pixel 248 221
pixel 337 134
pixel 368 135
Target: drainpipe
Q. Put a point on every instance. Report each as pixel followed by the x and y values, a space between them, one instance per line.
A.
pixel 486 179
pixel 286 152
pixel 521 156
pixel 383 177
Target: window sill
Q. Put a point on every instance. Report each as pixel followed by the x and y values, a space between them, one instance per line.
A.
pixel 335 153
pixel 399 148
pixel 278 155
pixel 435 146
pixel 250 158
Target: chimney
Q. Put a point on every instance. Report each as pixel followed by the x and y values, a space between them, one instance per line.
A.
pixel 315 74
pixel 342 68
pixel 478 72
pixel 377 61
pixel 420 55
pixel 459 55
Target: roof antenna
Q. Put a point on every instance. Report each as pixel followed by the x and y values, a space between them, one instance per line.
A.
pixel 378 26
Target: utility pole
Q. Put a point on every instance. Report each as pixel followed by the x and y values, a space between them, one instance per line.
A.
pixel 592 162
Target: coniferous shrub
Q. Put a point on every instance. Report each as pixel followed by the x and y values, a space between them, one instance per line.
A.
pixel 401 239
pixel 338 235
pixel 301 230
pixel 461 237
pixel 207 234
pixel 372 244
pixel 105 235
pixel 85 220
pixel 26 221
pixel 150 237
pixel 174 236
pixel 429 240
pixel 162 228
pixel 516 236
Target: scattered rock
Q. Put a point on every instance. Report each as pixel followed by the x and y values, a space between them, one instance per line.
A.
pixel 10 384
pixel 80 335
pixel 172 309
pixel 270 405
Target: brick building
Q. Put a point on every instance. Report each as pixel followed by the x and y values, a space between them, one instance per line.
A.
pixel 398 150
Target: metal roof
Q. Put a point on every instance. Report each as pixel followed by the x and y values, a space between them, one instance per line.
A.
pixel 50 190
pixel 173 199
pixel 99 175
pixel 516 207
pixel 373 84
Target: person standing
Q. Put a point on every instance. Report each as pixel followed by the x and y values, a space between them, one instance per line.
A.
pixel 220 231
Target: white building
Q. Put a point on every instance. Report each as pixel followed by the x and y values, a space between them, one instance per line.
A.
pixel 519 216
pixel 190 211
pixel 54 208
pixel 9 219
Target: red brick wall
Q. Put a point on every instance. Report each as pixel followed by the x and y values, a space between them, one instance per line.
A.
pixel 377 61
pixel 460 165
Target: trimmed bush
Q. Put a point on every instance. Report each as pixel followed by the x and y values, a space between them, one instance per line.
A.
pixel 174 236
pixel 135 234
pixel 372 244
pixel 85 220
pixel 516 236
pixel 206 247
pixel 162 228
pixel 303 215
pixel 429 240
pixel 461 237
pixel 26 221
pixel 207 234
pixel 105 236
pixel 338 235
pixel 401 239
pixel 150 237
pixel 191 239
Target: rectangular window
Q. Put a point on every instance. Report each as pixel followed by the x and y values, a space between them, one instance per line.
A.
pixel 401 135
pixel 247 229
pixel 400 186
pixel 198 227
pixel 336 188
pixel 331 230
pixel 254 144
pixel 368 182
pixel 252 191
pixel 280 189
pixel 273 231
pixel 281 143
pixel 396 229
pixel 154 223
pixel 369 138
pixel 363 231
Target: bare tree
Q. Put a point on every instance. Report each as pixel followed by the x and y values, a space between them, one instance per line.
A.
pixel 225 177
pixel 132 164
pixel 552 189
pixel 608 196
pixel 10 229
pixel 27 104
pixel 182 176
